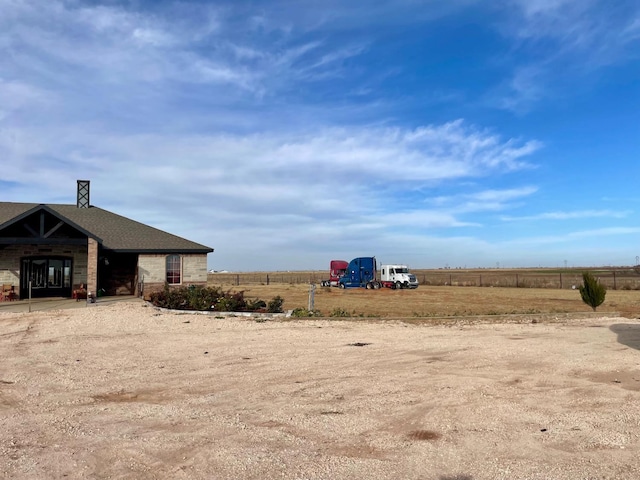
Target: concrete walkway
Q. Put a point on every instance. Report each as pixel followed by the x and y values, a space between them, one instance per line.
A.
pixel 42 304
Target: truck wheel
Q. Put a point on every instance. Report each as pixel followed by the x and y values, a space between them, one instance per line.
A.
pixel 342 285
pixel 376 286
pixel 398 286
pixel 368 286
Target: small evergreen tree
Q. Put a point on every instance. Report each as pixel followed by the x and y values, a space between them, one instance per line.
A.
pixel 592 291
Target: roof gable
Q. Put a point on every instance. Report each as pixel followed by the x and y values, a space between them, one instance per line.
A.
pixel 41 221
pixel 112 231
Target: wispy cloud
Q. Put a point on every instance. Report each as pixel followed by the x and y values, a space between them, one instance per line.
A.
pixel 485 200
pixel 560 40
pixel 570 215
pixel 328 157
pixel 576 235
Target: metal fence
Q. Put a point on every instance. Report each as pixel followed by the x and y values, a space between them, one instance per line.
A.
pixel 615 279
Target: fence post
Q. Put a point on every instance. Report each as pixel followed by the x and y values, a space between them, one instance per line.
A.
pixel 267 279
pixel 561 281
pixel 312 293
pixel 614 280
pixel 237 279
pixel 517 284
pixel 480 280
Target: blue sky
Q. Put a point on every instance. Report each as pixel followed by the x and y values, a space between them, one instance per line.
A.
pixel 287 133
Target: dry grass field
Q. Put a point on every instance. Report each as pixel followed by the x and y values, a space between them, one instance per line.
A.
pixel 430 302
pixel 448 293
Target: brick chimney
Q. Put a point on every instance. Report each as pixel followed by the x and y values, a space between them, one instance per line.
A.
pixel 83 194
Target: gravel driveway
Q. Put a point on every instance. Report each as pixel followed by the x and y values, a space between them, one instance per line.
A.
pixel 127 391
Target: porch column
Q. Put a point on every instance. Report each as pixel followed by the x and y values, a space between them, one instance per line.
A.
pixel 92 267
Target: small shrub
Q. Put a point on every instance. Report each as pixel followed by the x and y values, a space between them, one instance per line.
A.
pixel 255 305
pixel 201 298
pixel 165 298
pixel 232 302
pixel 275 305
pixel 339 312
pixel 592 291
pixel 303 312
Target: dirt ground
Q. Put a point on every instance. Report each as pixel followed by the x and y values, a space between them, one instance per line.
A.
pixel 127 391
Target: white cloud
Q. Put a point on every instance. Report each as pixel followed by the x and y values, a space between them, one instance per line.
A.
pixel 331 157
pixel 601 232
pixel 484 200
pixel 338 186
pixel 558 42
pixel 570 215
pixel 580 235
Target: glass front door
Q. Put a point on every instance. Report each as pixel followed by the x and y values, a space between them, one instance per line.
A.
pixel 46 276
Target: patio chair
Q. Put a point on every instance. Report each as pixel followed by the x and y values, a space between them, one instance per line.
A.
pixel 8 292
pixel 80 292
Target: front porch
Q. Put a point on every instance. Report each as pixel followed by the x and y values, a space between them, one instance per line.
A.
pixel 57 303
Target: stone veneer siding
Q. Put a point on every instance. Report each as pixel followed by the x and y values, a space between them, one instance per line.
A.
pixel 11 255
pixel 92 266
pixel 152 269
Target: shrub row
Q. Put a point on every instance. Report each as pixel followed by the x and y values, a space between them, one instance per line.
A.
pixel 200 298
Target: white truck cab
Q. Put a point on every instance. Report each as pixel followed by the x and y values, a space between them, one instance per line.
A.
pixel 397 276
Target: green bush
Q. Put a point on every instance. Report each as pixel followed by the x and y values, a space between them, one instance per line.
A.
pixel 201 298
pixel 339 312
pixel 275 305
pixel 303 312
pixel 592 291
pixel 255 305
pixel 173 298
pixel 231 302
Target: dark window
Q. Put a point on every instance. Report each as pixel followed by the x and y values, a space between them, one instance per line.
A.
pixel 173 269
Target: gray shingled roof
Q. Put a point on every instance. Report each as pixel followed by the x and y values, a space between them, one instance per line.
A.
pixel 113 231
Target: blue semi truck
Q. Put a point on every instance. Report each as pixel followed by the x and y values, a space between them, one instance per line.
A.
pixel 361 272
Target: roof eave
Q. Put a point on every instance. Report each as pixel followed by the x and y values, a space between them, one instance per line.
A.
pixel 159 250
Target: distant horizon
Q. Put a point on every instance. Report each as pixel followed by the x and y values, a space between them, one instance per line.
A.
pixel 559 267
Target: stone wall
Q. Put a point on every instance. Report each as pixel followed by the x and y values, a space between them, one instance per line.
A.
pixel 152 270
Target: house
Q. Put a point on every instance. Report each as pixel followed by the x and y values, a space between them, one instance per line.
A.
pixel 54 249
